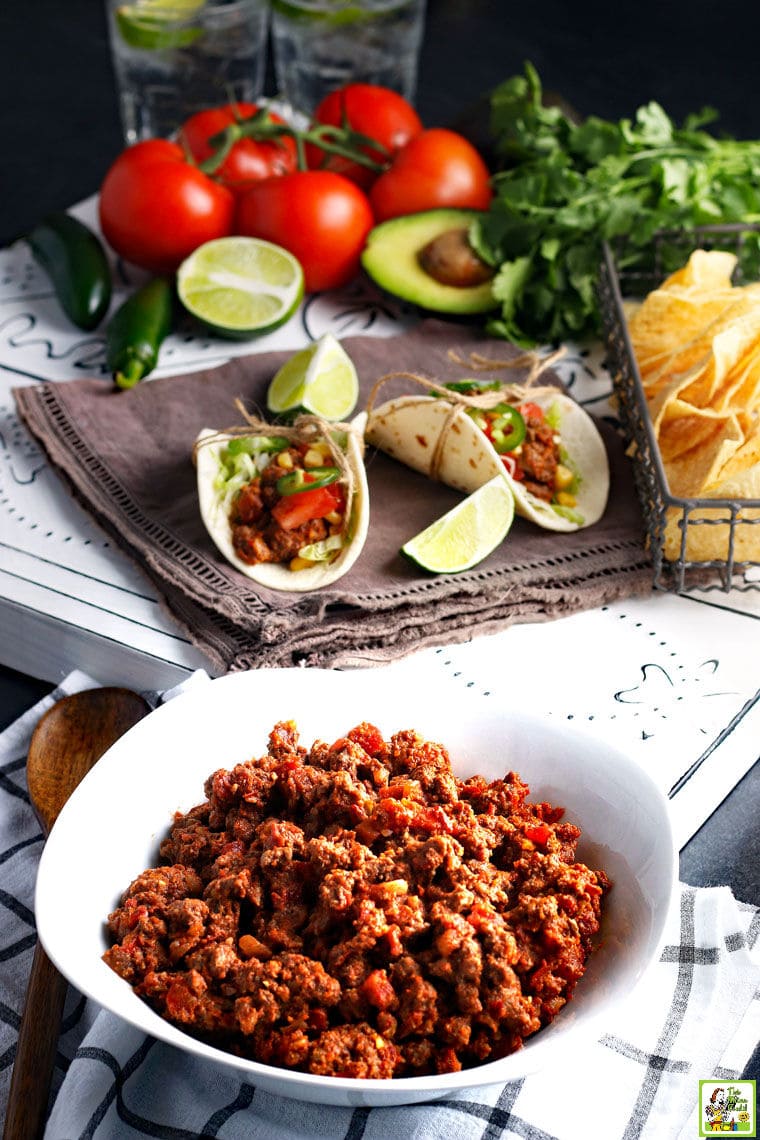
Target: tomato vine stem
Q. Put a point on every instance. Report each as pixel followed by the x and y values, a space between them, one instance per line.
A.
pixel 341 141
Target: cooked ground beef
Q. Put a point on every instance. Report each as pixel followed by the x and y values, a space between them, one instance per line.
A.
pixel 539 457
pixel 257 536
pixel 356 910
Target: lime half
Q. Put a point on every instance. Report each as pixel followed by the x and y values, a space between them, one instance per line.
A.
pixel 468 533
pixel 320 379
pixel 240 286
pixel 158 24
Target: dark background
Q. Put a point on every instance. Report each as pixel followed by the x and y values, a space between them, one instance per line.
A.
pixel 60 131
pixel 60 126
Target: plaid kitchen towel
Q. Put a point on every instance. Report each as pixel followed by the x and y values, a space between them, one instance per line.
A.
pixel 695 1016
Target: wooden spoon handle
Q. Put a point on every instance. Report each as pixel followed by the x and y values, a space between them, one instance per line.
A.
pixel 36 1050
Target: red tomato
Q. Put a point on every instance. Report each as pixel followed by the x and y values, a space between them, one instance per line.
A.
pixel 320 216
pixel 531 411
pixel 377 112
pixel 249 160
pixel 155 208
pixel 292 511
pixel 437 168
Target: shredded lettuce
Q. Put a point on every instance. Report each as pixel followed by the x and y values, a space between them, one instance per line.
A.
pixel 242 460
pixel 553 416
pixel 322 551
pixel 569 513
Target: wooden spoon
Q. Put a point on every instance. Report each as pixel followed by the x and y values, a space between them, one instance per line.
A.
pixel 69 738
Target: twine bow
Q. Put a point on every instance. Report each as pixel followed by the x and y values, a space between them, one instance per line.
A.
pixel 484 400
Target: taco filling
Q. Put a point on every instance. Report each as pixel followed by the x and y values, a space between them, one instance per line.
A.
pixel 527 439
pixel 289 498
pixel 288 503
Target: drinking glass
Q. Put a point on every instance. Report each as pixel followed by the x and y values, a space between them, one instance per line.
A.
pixel 174 57
pixel 322 44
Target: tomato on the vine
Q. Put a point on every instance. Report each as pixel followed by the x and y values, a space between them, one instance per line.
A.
pixel 378 113
pixel 321 217
pixel 436 168
pixel 250 159
pixel 156 208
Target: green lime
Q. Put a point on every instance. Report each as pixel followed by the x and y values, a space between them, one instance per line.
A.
pixel 320 379
pixel 334 14
pixel 240 286
pixel 467 533
pixel 158 24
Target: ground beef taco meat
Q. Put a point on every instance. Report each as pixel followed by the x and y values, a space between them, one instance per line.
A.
pixel 356 910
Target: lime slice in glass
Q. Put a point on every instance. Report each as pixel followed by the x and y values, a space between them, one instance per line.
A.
pixel 320 379
pixel 240 287
pixel 468 533
pixel 154 25
pixel 333 14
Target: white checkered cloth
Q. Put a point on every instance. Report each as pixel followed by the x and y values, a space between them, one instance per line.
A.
pixel 696 1015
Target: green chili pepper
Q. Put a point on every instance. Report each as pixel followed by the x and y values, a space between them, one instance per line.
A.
pixel 472 387
pixel 503 424
pixel 75 261
pixel 507 428
pixel 255 444
pixel 137 330
pixel 310 480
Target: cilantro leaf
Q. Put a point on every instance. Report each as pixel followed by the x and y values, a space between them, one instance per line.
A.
pixel 564 187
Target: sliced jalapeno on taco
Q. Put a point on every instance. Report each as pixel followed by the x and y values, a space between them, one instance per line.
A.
pixel 548 448
pixel 289 510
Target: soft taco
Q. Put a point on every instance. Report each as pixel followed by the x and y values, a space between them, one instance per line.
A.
pixel 547 447
pixel 288 506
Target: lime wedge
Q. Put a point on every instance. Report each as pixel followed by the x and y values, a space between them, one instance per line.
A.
pixel 320 379
pixel 158 24
pixel 335 14
pixel 240 287
pixel 468 533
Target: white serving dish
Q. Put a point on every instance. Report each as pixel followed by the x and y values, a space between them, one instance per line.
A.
pixel 110 829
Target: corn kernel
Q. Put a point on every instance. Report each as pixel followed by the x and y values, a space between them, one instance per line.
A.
pixel 565 499
pixel 313 458
pixel 334 518
pixel 299 563
pixel 284 459
pixel 563 477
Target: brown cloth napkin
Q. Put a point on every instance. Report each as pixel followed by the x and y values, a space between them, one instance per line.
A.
pixel 127 458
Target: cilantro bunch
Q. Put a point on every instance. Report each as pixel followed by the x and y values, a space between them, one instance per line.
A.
pixel 567 186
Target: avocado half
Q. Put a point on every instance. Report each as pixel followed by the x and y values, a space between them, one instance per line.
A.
pixel 391 257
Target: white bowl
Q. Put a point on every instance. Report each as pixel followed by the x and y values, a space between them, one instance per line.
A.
pixel 110 829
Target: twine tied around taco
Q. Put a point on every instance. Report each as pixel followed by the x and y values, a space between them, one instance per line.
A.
pixel 287 504
pixel 462 434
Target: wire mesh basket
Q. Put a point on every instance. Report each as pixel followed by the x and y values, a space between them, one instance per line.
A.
pixel 685 556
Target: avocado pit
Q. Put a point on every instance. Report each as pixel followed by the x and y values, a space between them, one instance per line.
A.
pixel 450 259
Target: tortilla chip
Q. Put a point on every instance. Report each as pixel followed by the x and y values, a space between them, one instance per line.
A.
pixel 708 535
pixel 739 320
pixel 697 344
pixel 706 269
pixel 667 321
pixel 695 449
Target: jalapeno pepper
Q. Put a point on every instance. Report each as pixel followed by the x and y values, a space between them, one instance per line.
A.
pixel 137 330
pixel 506 428
pixel 75 261
pixel 310 480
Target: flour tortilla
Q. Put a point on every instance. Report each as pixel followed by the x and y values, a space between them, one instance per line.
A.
pixel 215 507
pixel 411 429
